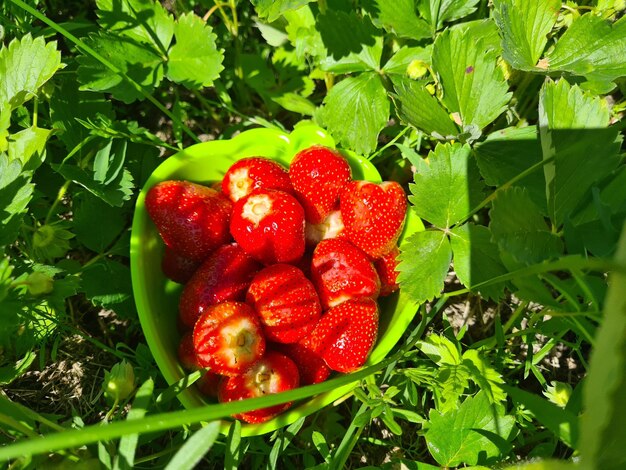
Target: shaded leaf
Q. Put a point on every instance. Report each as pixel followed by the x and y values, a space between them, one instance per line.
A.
pixel 16 191
pixel 344 33
pixel 192 451
pixel 89 212
pixel 484 374
pixel 439 11
pixel 107 284
pixel 400 17
pixel 194 60
pixel 355 111
pixel 424 262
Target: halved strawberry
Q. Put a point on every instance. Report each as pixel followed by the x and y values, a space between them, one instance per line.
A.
pixel 386 269
pixel 176 267
pixel 341 271
pixel 318 175
pixel 274 373
pixel 373 215
pixel 331 227
pixel 225 275
pixel 346 334
pixel 311 366
pixel 192 219
pixel 269 225
pixel 286 301
pixel 187 353
pixel 228 338
pixel 248 174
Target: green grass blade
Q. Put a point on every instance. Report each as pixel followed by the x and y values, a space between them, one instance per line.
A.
pixel 128 444
pixel 233 447
pixel 195 448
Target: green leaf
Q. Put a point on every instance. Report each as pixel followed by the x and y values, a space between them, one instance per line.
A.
pixel 439 11
pixel 573 130
pixel 194 60
pixel 440 350
pixel 345 33
pixel 355 111
pixel 303 34
pixel 403 58
pixel 519 228
pixel 25 65
pixel 452 379
pixel 417 107
pixel 295 103
pixel 448 187
pixel 524 27
pixel 591 47
pixel 400 17
pixel 144 21
pixel 89 212
pixel 476 259
pixel 473 85
pixel 114 193
pixel 128 444
pixel 271 10
pixel 109 161
pixel 26 144
pixel 190 454
pixel 424 263
pixel 482 372
pixel 562 423
pixel 602 424
pixel 16 191
pixel 234 447
pixel 506 153
pixel 474 433
pixel 137 61
pixel 107 283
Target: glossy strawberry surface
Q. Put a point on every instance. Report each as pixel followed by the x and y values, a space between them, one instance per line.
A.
pixel 386 269
pixel 373 215
pixel 193 220
pixel 225 275
pixel 286 302
pixel 176 267
pixel 248 174
pixel 269 226
pixel 346 334
pixel 187 353
pixel 311 366
pixel 341 271
pixel 318 175
pixel 274 373
pixel 228 338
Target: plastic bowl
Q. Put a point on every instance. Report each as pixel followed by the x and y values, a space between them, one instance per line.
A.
pixel 156 297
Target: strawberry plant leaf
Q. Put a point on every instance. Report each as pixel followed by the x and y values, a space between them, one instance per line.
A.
pixel 476 259
pixel 524 27
pixel 145 21
pixel 448 187
pixel 417 107
pixel 355 111
pixel 109 161
pixel 473 85
pixel 16 191
pixel 424 262
pixel 400 17
pixel 192 451
pixel 194 59
pixel 519 228
pixel 573 130
pixel 506 153
pixel 89 211
pixel 139 62
pixel 440 350
pixel 28 143
pixel 25 65
pixel 602 430
pixel 437 12
pixel 344 33
pixel 592 47
pixel 303 35
pixel 475 433
pixel 107 284
pixel 271 10
pixel 405 57
pixel 485 375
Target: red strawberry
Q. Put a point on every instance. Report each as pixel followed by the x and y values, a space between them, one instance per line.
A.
pixel 386 269
pixel 176 267
pixel 193 220
pixel 269 225
pixel 311 366
pixel 331 227
pixel 225 275
pixel 318 175
pixel 187 353
pixel 248 174
pixel 373 215
pixel 286 301
pixel 209 383
pixel 228 338
pixel 346 334
pixel 273 373
pixel 341 271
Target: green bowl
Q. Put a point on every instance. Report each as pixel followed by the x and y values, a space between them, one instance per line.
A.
pixel 156 297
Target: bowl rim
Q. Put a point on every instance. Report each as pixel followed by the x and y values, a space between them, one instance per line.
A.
pixel 301 137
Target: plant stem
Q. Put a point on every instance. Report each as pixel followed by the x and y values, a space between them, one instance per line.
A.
pixel 60 195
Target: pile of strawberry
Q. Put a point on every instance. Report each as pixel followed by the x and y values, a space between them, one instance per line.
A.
pixel 282 269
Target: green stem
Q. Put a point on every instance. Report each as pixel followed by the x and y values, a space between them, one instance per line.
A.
pixel 57 201
pixel 88 50
pixel 389 144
